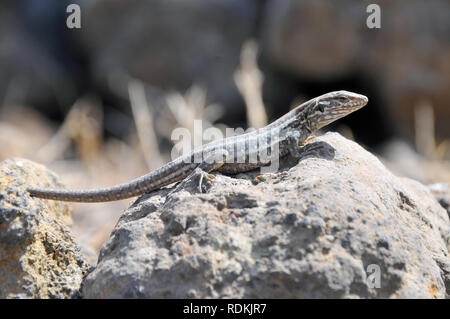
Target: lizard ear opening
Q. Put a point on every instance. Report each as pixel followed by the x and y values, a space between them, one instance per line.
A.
pixel 321 109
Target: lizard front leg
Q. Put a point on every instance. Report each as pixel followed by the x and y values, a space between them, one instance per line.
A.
pixel 296 141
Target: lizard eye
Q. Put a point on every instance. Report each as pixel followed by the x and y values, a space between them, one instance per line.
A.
pixel 321 109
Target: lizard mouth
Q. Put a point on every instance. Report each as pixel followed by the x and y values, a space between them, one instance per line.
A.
pixel 354 106
pixel 356 102
pixel 361 101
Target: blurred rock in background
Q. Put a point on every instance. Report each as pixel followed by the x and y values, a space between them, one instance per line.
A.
pixel 40 62
pixel 407 59
pixel 308 47
pixel 169 44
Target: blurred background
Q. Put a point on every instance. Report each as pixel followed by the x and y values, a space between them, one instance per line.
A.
pixel 98 104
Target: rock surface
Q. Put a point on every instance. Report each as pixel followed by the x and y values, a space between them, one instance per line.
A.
pixel 38 257
pixel 319 228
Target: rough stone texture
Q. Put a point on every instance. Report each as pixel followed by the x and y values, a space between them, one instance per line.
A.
pixel 310 230
pixel 38 257
pixel 169 44
pixel 408 58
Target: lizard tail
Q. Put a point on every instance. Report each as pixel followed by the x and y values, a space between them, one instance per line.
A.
pixel 138 186
pixel 97 195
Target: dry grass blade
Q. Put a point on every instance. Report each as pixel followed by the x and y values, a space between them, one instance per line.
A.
pixel 60 141
pixel 82 125
pixel 249 79
pixel 434 166
pixel 424 129
pixel 442 150
pixel 144 124
pixel 189 111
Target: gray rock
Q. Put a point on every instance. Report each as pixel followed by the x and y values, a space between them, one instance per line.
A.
pixel 318 229
pixel 38 257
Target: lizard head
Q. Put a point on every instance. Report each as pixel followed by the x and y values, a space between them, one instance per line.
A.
pixel 332 106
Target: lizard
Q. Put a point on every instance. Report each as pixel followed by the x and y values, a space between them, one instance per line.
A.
pixel 286 134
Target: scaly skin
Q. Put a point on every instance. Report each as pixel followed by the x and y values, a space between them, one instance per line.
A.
pixel 284 135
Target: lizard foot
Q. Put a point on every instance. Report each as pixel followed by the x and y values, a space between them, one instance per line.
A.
pixel 202 175
pixel 198 172
pixel 295 147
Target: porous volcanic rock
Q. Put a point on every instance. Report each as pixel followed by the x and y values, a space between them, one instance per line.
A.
pixel 333 224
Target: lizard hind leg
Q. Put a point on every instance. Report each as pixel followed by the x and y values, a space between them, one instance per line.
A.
pixel 210 163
